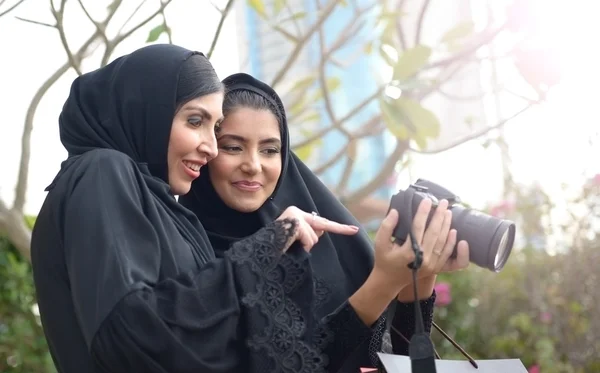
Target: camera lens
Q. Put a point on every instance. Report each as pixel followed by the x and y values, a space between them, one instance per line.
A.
pixel 490 239
pixel 504 246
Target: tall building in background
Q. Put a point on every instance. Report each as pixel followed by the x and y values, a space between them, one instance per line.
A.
pixel 264 51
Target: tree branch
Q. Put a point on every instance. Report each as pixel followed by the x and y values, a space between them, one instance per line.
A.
pixel 21 188
pixel 367 129
pixel 441 80
pixel 13 224
pixel 330 162
pixel 454 97
pixel 322 73
pixel 15 218
pixel 363 104
pixel 11 8
pixel 224 14
pixel 100 26
pixel 484 38
pixel 58 16
pixel 420 21
pixel 347 172
pixel 384 173
pixel 111 45
pixel 137 9
pixel 399 29
pixel 302 41
pixel 476 134
pixel 350 30
pixel 35 22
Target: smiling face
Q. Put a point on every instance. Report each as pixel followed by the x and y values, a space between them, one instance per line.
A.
pixel 248 167
pixel 192 142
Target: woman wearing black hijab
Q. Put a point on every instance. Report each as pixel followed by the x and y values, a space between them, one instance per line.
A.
pixel 126 278
pixel 256 175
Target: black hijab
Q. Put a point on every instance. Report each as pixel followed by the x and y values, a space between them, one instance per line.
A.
pixel 129 106
pixel 343 263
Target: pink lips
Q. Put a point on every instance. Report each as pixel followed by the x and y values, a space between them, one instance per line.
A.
pixel 249 186
pixel 191 173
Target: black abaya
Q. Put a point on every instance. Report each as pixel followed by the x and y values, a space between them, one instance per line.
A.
pixel 339 264
pixel 126 278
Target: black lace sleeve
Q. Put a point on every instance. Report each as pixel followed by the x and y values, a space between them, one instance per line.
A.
pixel 283 333
pixel 277 307
pixel 403 324
pixel 390 341
pixel 345 339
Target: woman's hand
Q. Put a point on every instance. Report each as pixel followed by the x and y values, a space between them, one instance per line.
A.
pixel 309 227
pixel 437 243
pixel 440 251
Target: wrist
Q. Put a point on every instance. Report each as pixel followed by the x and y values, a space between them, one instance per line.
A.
pixel 425 286
pixel 373 297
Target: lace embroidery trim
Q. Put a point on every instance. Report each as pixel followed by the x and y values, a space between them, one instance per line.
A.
pixel 284 339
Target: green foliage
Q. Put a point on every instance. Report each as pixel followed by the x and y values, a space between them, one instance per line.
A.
pixel 155 33
pixel 304 152
pixel 406 118
pixel 23 348
pixel 259 6
pixel 453 37
pixel 541 308
pixel 411 61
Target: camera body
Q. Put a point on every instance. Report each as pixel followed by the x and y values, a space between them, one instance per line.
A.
pixel 490 239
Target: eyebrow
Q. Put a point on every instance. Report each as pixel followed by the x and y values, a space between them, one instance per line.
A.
pixel 202 111
pixel 270 140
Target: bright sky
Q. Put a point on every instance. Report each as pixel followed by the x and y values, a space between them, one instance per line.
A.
pixel 35 52
pixel 549 145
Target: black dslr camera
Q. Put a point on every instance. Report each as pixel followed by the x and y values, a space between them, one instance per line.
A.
pixel 490 239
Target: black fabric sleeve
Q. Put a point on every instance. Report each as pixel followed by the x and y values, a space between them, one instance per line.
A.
pixel 133 321
pixel 351 340
pixel 404 323
pixel 389 341
pixel 300 342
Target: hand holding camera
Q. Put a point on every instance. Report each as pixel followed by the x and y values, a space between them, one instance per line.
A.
pixel 434 237
pixel 448 235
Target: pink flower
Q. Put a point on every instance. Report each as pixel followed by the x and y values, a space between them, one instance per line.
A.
pixel 442 291
pixel 392 181
pixel 546 317
pixel 596 180
pixel 502 209
pixel 534 369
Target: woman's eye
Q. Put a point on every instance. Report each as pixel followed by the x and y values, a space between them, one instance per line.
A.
pixel 195 121
pixel 272 151
pixel 231 148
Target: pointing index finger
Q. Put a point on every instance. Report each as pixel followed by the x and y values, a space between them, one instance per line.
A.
pixel 321 224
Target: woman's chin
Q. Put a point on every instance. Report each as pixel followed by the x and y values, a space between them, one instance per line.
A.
pixel 245 207
pixel 180 188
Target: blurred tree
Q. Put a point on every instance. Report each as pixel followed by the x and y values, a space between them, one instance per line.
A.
pixel 413 70
pixel 541 308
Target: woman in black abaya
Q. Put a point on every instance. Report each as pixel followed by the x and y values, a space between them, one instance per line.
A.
pixel 256 175
pixel 126 278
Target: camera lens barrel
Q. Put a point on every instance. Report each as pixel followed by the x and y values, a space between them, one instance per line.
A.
pixel 490 239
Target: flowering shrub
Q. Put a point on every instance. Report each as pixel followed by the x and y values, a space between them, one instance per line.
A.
pixel 542 307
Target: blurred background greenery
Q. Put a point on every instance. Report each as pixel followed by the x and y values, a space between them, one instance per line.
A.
pixel 413 119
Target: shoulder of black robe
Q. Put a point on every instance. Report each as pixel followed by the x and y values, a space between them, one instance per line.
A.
pixel 344 261
pixel 340 264
pixel 125 276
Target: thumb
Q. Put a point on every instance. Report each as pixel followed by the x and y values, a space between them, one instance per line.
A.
pixel 385 231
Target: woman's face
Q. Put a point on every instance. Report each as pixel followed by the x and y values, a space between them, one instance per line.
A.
pixel 192 143
pixel 249 163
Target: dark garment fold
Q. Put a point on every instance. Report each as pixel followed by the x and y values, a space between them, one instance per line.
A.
pixel 339 264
